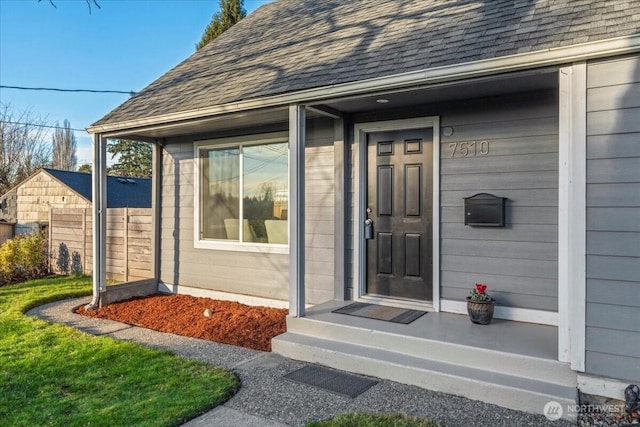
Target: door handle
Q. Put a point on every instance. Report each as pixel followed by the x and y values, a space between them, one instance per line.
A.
pixel 368 229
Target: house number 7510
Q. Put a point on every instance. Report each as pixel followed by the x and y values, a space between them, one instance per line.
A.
pixel 469 149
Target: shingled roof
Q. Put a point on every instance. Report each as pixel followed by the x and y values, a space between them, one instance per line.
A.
pixel 121 192
pixel 292 45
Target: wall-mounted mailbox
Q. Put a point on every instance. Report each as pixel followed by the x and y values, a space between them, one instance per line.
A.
pixel 484 210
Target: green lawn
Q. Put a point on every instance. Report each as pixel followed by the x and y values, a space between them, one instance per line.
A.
pixel 374 420
pixel 52 374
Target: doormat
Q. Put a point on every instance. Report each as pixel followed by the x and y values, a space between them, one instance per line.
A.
pixel 380 312
pixel 334 381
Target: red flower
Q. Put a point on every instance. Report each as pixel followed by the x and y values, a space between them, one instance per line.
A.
pixel 480 288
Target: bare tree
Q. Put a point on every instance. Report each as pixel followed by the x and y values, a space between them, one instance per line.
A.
pixel 64 148
pixel 88 2
pixel 23 149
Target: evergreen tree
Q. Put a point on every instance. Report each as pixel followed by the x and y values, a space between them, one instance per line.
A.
pixel 231 12
pixel 64 148
pixel 134 158
pixel 85 168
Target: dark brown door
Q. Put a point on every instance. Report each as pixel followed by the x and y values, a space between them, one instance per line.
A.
pixel 399 203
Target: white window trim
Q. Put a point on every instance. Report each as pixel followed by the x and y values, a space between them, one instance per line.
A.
pixel 222 245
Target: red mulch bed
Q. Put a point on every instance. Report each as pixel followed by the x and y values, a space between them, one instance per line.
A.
pixel 230 322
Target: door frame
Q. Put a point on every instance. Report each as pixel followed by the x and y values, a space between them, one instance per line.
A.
pixel 359 204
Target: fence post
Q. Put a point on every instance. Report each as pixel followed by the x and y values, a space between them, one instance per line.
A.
pixel 126 244
pixel 84 240
pixel 50 232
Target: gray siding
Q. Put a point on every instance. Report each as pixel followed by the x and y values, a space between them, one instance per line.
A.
pixel 519 262
pixel 319 207
pixel 249 273
pixel 613 219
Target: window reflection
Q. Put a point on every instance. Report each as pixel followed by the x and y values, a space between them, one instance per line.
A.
pixel 265 195
pixel 251 207
pixel 221 194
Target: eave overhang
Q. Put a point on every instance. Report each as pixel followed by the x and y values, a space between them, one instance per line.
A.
pixel 449 73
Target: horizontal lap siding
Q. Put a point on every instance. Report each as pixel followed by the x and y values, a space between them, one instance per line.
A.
pixel 519 262
pixel 319 210
pixel 249 273
pixel 613 219
pixel 246 273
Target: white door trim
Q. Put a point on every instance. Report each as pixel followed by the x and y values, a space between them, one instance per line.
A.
pixel 359 197
pixel 572 215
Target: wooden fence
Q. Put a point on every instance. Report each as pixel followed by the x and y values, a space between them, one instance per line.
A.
pixel 129 251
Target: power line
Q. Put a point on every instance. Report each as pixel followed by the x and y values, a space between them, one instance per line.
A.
pixel 41 126
pixel 130 93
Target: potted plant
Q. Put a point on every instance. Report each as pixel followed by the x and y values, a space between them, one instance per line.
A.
pixel 480 305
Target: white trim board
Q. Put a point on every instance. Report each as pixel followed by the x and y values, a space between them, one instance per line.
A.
pixel 600 386
pixel 506 313
pixel 360 174
pixel 220 295
pixel 572 208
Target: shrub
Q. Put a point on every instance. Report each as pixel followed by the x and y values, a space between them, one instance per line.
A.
pixel 23 257
pixel 33 254
pixel 9 260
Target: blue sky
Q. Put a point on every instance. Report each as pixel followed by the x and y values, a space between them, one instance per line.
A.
pixel 124 45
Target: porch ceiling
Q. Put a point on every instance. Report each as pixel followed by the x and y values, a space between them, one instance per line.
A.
pixel 473 88
pixel 546 78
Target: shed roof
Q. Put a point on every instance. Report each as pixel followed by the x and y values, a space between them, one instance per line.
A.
pixel 121 192
pixel 293 45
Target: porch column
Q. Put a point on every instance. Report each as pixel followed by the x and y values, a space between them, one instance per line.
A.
pixel 156 201
pixel 296 209
pixel 572 220
pixel 99 215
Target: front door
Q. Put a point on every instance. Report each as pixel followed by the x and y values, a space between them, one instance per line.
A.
pixel 399 214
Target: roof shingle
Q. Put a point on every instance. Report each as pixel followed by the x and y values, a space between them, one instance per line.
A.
pixel 292 45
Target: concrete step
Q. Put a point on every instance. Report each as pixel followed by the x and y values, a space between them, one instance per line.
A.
pixel 473 382
pixel 397 340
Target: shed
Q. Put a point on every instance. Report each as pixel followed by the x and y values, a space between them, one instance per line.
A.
pixel 28 204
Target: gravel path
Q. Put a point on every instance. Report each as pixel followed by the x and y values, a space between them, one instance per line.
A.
pixel 267 399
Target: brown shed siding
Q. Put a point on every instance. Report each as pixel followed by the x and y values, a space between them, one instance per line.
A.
pixel 37 196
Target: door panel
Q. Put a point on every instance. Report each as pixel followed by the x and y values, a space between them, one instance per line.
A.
pixel 400 183
pixel 413 264
pixel 385 190
pixel 413 190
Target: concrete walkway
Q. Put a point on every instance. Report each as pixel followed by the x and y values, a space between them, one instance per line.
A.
pixel 266 399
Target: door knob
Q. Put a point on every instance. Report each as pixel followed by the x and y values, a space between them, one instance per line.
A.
pixel 368 229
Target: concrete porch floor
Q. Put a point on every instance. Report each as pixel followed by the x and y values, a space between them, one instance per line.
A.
pixel 507 336
pixel 512 364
